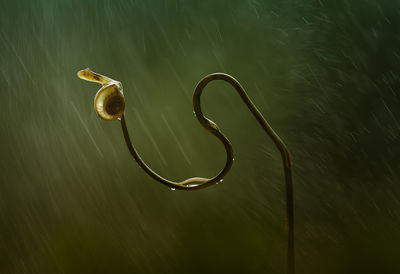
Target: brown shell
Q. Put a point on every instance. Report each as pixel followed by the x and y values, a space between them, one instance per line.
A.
pixel 109 102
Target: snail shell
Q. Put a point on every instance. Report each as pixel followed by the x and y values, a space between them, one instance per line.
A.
pixel 109 102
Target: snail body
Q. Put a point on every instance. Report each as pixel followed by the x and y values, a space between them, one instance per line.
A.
pixel 109 102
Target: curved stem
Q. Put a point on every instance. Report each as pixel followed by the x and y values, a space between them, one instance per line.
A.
pixel 197 183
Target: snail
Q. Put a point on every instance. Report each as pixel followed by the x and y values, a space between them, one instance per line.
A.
pixel 109 102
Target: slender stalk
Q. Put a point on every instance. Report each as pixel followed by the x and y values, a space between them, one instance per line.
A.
pixel 197 183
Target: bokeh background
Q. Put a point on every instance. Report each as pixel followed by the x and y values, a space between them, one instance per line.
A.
pixel 324 73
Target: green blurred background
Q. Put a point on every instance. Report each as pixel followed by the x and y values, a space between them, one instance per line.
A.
pixel 324 73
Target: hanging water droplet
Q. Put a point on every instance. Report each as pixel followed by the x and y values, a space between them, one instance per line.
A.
pixel 119 118
pixel 172 188
pixel 233 159
pixel 221 180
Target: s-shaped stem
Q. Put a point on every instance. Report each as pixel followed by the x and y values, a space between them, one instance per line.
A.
pixel 197 183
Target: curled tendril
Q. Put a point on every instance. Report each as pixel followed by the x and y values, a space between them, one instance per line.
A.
pixel 195 183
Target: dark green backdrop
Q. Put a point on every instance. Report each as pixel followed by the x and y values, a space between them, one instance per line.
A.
pixel 324 73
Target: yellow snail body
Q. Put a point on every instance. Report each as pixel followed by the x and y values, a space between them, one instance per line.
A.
pixel 109 102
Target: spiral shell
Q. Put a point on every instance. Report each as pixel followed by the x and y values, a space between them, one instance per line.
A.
pixel 109 102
